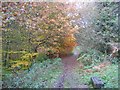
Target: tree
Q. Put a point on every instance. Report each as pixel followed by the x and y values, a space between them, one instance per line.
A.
pixel 107 25
pixel 46 24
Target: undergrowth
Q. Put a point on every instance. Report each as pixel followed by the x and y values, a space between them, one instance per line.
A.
pixel 90 57
pixel 40 75
pixel 93 58
pixel 109 75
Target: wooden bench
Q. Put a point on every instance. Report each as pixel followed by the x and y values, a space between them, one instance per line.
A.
pixel 97 82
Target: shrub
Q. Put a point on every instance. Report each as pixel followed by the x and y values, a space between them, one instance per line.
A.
pixel 90 57
pixel 29 56
pixel 41 57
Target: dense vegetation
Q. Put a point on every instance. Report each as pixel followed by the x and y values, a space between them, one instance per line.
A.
pixel 26 34
pixel 96 64
pixel 36 36
pixel 40 75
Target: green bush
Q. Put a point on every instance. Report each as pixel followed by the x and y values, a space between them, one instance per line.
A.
pixel 90 57
pixel 41 57
pixel 114 60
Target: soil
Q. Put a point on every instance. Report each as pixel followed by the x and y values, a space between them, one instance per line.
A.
pixel 69 78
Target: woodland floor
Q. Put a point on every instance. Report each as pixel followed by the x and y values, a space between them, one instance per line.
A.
pixel 69 77
pixel 71 73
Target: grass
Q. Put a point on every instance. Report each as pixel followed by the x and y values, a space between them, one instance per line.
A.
pixel 108 73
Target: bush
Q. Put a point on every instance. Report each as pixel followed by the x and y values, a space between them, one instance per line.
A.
pixel 29 56
pixel 104 48
pixel 114 60
pixel 90 57
pixel 41 57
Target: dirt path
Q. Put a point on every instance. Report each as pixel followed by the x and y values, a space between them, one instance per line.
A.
pixel 69 78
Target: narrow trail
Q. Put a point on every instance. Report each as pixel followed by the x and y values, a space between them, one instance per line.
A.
pixel 69 78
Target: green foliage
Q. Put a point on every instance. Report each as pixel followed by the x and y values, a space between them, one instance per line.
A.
pixel 108 21
pixel 108 73
pixel 40 75
pixel 90 57
pixel 41 57
pixel 109 76
pixel 15 42
pixel 114 60
pixel 32 28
